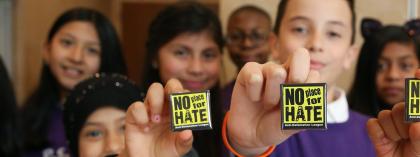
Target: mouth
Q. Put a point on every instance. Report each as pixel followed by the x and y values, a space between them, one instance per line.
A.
pixel 316 65
pixel 249 59
pixel 393 91
pixel 193 85
pixel 72 72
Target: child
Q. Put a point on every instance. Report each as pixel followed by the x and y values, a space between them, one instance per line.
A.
pixel 248 30
pixel 94 114
pixel 185 42
pixel 80 43
pixel 388 56
pixel 326 30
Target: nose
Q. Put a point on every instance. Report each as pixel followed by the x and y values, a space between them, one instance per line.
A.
pixel 195 66
pixel 314 44
pixel 76 55
pixel 393 73
pixel 247 43
pixel 114 144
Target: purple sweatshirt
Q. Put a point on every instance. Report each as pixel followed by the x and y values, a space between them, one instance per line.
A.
pixel 347 139
pixel 56 138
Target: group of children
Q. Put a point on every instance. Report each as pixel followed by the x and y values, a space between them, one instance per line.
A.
pixel 85 106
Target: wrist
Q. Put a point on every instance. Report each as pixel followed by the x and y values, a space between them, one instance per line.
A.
pixel 239 151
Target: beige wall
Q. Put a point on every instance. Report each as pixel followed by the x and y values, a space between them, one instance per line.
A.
pixel 33 18
pixel 389 11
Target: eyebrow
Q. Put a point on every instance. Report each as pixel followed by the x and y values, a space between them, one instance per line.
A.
pixel 399 58
pixel 74 37
pixel 297 18
pixel 331 22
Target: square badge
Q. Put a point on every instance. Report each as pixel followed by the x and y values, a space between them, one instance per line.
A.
pixel 303 106
pixel 190 111
pixel 412 99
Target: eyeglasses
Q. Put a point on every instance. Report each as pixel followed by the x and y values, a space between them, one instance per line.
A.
pixel 238 38
pixel 370 25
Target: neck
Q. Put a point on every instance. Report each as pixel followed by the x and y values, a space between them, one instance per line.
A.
pixel 331 94
pixel 63 95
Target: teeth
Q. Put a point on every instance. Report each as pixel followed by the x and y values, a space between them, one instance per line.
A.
pixel 72 71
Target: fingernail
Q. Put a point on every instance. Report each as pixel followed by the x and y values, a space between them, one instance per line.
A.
pixel 256 78
pixel 156 118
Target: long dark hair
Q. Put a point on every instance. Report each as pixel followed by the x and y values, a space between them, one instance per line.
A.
pixel 39 105
pixel 363 97
pixel 9 128
pixel 187 17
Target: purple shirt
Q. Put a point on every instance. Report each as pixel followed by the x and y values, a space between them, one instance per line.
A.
pixel 56 137
pixel 227 95
pixel 347 139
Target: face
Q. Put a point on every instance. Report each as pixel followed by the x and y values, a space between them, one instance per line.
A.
pixel 73 53
pixel 192 58
pixel 247 38
pixel 103 133
pixel 324 29
pixel 397 62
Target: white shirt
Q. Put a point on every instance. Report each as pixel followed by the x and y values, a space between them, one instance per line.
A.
pixel 338 110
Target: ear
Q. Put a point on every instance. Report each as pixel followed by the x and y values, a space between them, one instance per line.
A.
pixel 351 55
pixel 46 52
pixel 274 47
pixel 369 26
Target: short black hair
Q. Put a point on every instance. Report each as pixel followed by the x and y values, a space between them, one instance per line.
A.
pixel 250 8
pixel 282 9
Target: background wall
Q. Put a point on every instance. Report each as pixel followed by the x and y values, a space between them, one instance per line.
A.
pixel 32 19
pixel 388 11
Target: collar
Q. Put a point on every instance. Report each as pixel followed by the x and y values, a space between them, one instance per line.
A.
pixel 338 110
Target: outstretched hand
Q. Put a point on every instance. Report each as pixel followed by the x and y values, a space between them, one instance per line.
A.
pixel 254 122
pixel 392 136
pixel 147 125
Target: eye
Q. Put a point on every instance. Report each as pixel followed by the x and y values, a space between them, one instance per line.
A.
pixel 300 30
pixel 333 34
pixel 382 66
pixel 181 52
pixel 209 55
pixel 66 42
pixel 93 50
pixel 258 37
pixel 94 134
pixel 236 36
pixel 406 67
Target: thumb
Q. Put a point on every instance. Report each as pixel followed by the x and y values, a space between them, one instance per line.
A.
pixel 183 143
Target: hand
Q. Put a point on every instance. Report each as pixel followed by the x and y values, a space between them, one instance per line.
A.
pixel 147 128
pixel 392 136
pixel 255 122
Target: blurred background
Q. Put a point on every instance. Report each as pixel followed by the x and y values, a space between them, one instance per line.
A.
pixel 24 25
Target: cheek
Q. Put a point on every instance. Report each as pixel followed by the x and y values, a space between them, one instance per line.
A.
pixel 213 69
pixel 90 148
pixel 379 81
pixel 170 69
pixel 93 64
